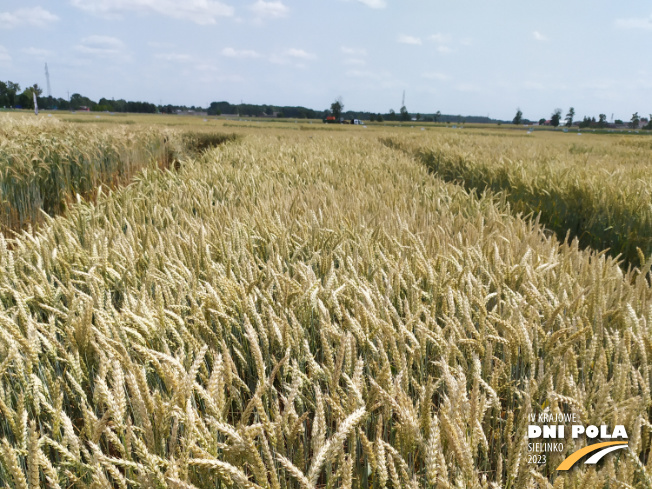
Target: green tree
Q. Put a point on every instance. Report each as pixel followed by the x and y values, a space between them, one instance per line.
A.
pixel 392 115
pixel 26 98
pixel 337 107
pixel 77 101
pixel 12 92
pixel 602 121
pixel 437 116
pixel 518 117
pixel 569 117
pixel 418 116
pixel 4 98
pixel 405 115
pixel 542 121
pixel 556 117
pixel 379 118
pixel 648 126
pixel 634 121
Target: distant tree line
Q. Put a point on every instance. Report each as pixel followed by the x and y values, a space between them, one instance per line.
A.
pixel 252 110
pixel 404 115
pixel 125 106
pixel 635 122
pixel 337 110
pixel 11 96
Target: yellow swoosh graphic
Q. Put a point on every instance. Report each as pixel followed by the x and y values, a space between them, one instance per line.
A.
pixel 575 456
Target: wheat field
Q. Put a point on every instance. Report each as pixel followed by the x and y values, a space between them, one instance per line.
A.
pixel 46 164
pixel 597 188
pixel 311 308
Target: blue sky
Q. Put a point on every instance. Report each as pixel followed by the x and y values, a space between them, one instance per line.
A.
pixel 463 57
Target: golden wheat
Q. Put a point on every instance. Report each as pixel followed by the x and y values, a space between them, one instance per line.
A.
pixel 291 312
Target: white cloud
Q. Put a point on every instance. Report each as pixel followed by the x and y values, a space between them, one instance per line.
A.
pixel 436 76
pixel 442 41
pixel 101 46
pixel 354 62
pixel 299 54
pixel 239 53
pixel 404 39
pixel 4 55
pixel 292 56
pixel 36 52
pixel 201 12
pixel 36 16
pixel 354 51
pixel 635 23
pixel 440 38
pixel 374 3
pixel 538 36
pixel 269 10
